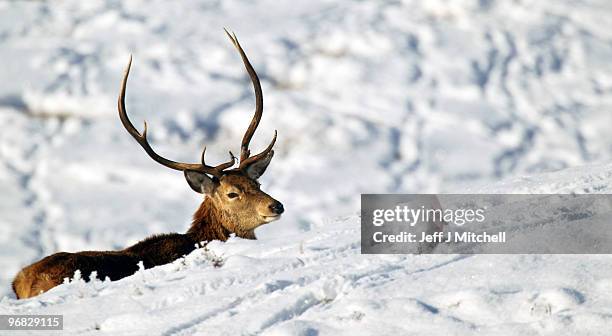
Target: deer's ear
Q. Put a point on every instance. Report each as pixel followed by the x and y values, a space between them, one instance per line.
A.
pixel 200 182
pixel 257 168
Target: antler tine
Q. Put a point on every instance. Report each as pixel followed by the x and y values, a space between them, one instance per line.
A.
pixel 228 163
pixel 221 166
pixel 246 139
pixel 203 154
pixel 264 153
pixel 144 143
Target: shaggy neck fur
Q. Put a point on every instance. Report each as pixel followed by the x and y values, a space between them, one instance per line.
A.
pixel 208 225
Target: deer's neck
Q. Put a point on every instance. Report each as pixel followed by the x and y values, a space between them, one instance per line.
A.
pixel 207 224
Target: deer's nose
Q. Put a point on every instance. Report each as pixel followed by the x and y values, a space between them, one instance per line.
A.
pixel 277 207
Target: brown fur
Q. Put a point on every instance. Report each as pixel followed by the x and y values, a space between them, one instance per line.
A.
pixel 234 203
pixel 216 219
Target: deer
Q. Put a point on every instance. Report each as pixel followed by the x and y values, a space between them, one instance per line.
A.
pixel 233 204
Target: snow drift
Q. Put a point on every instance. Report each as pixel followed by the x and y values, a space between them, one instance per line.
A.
pixel 393 96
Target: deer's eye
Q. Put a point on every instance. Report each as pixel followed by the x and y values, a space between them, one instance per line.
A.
pixel 232 195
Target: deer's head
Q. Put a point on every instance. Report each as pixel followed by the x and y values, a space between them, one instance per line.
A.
pixel 235 192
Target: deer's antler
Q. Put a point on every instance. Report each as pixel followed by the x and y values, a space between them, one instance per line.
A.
pixel 245 158
pixel 144 143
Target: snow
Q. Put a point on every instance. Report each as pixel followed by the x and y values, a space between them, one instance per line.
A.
pixel 368 97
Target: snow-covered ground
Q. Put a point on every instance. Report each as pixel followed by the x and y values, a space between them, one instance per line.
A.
pixel 368 97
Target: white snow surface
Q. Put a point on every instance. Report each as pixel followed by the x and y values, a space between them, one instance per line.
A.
pixel 368 97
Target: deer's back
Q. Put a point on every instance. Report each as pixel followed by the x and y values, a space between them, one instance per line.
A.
pixel 51 271
pixel 162 249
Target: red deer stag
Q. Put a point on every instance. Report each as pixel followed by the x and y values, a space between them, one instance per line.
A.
pixel 233 203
